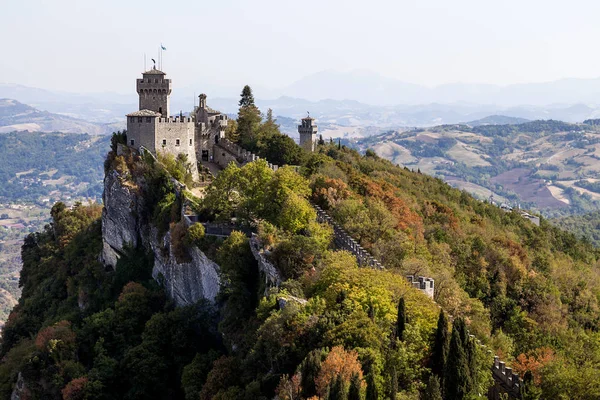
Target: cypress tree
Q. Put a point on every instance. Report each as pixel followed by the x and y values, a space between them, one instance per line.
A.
pixel 372 393
pixel 309 370
pixel 457 374
pixel 440 346
pixel 433 390
pixel 393 384
pixel 338 389
pixel 354 391
pixel 401 322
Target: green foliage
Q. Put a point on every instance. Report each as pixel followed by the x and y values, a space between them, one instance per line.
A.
pixel 195 234
pixel 433 390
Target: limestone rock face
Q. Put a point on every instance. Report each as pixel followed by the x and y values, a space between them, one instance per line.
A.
pixel 185 283
pixel 123 224
pixel 119 218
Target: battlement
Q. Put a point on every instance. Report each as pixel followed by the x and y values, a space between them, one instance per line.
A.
pixel 346 242
pixel 426 285
pixel 175 120
pixel 510 381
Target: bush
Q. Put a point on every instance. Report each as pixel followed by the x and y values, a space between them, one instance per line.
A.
pixel 195 234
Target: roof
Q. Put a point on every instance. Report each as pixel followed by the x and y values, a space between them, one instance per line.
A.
pixel 154 71
pixel 144 113
pixel 308 118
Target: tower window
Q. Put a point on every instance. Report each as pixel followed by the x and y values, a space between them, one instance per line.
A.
pixel 132 142
pixel 148 119
pixel 190 142
pixel 139 119
pixel 176 142
pixel 164 142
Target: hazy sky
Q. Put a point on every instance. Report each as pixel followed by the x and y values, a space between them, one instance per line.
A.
pixel 84 46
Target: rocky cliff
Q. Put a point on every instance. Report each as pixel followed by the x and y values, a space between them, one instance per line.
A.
pixel 123 224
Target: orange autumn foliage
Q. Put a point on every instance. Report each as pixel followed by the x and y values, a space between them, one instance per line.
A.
pixel 338 362
pixel 75 390
pixel 534 361
pixel 61 331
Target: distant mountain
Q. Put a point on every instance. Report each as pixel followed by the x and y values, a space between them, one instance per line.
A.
pixel 16 116
pixel 497 120
pixel 370 87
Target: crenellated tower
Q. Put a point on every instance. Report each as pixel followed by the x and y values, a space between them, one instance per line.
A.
pixel 308 133
pixel 154 91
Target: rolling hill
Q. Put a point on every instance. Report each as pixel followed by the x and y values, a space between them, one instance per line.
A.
pixel 16 116
pixel 549 166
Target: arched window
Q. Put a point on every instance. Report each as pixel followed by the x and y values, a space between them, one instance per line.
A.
pixel 164 142
pixel 190 142
pixel 176 142
pixel 160 110
pixel 132 142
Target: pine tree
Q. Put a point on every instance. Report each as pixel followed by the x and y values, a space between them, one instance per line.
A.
pixel 372 393
pixel 248 121
pixel 354 391
pixel 440 346
pixel 309 370
pixel 247 98
pixel 457 374
pixel 393 384
pixel 433 390
pixel 401 322
pixel 321 141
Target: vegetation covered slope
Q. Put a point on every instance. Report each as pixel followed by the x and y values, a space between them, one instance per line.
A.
pixel 331 330
pixel 548 166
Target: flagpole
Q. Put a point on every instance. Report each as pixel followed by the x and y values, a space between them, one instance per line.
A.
pixel 145 63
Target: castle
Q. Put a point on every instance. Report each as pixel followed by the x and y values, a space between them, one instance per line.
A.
pixel 153 128
pixel 200 136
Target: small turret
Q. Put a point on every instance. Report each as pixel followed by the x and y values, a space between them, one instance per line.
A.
pixel 308 133
pixel 202 102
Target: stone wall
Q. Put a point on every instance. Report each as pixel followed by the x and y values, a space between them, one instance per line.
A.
pixel 141 130
pixel 346 242
pixel 272 277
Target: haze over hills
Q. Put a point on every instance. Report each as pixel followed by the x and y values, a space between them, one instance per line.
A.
pixel 16 116
pixel 360 99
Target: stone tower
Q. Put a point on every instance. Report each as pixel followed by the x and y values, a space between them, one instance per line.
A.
pixel 154 91
pixel 308 133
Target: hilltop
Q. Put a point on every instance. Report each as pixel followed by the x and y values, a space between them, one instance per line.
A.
pixel 530 293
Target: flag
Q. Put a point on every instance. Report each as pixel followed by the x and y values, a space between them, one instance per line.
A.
pixel 162 47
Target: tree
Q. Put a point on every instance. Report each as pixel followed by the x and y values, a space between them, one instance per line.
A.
pixel 247 98
pixel 433 390
pixel 309 370
pixel 248 120
pixel 393 384
pixel 401 321
pixel 441 344
pixel 355 386
pixel 338 390
pixel 458 379
pixel 372 392
pixel 339 362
